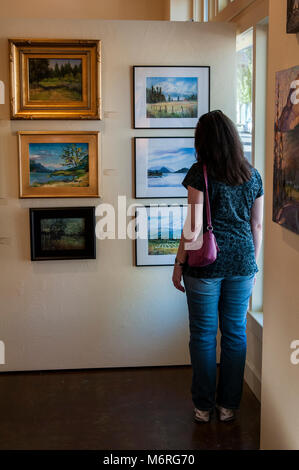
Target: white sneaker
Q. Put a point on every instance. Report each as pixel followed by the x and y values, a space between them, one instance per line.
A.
pixel 202 416
pixel 225 414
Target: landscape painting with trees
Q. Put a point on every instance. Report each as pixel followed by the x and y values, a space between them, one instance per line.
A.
pixel 286 150
pixel 171 97
pixel 63 234
pixel 164 225
pixel 55 79
pixel 58 164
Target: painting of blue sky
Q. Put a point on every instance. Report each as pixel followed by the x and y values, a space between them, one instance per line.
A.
pixel 58 164
pixel 171 97
pixel 169 159
pixel 164 230
pixel 177 88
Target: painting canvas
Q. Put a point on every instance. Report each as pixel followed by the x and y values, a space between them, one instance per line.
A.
pixel 62 233
pixel 159 245
pixel 170 97
pixel 286 150
pixel 58 164
pixel 293 16
pixel 55 79
pixel 161 163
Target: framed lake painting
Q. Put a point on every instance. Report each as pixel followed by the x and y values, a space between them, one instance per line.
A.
pixel 286 150
pixel 161 163
pixel 62 233
pixel 170 96
pixel 158 233
pixel 58 164
pixel 55 79
pixel 293 16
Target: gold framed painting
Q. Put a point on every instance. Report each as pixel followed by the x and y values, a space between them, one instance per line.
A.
pixel 58 164
pixel 55 79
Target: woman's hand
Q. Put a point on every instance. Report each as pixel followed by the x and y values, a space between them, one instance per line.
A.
pixel 177 277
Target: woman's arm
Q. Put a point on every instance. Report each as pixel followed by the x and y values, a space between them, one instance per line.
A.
pixel 191 231
pixel 257 224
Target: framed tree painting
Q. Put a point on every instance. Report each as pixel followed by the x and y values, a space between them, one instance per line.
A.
pixel 170 96
pixel 58 164
pixel 293 16
pixel 161 163
pixel 55 79
pixel 62 233
pixel 158 234
pixel 286 150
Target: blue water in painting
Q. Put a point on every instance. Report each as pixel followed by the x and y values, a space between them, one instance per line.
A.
pixel 173 180
pixel 44 178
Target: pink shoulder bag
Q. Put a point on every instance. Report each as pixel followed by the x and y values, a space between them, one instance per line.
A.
pixel 207 254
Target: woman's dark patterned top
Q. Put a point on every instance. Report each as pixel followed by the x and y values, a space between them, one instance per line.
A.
pixel 230 212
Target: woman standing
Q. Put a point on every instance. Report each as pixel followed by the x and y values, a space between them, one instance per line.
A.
pixel 224 287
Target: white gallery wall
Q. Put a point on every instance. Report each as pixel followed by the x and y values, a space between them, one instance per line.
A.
pixel 104 312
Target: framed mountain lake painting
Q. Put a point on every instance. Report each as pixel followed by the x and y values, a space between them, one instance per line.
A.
pixel 161 163
pixel 55 79
pixel 158 233
pixel 62 233
pixel 58 164
pixel 170 96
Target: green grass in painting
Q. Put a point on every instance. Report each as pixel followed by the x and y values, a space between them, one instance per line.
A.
pixel 55 89
pixel 163 247
pixel 172 109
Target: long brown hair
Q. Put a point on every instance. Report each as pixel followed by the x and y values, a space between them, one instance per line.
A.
pixel 218 145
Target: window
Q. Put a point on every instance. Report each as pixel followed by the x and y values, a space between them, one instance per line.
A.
pixel 244 89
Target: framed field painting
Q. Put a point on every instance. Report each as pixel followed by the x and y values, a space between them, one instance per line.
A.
pixel 286 150
pixel 161 163
pixel 293 17
pixel 55 79
pixel 62 233
pixel 58 164
pixel 158 234
pixel 170 96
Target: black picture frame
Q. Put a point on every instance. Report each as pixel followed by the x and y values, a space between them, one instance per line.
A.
pixel 184 193
pixel 135 67
pixel 38 253
pixel 292 17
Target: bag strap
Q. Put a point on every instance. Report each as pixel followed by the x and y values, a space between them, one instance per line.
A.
pixel 208 209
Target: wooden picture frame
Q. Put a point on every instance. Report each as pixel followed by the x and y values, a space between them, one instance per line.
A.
pixel 58 164
pixel 55 79
pixel 170 97
pixel 62 233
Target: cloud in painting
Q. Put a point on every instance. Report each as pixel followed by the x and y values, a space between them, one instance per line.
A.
pixel 174 86
pixel 171 153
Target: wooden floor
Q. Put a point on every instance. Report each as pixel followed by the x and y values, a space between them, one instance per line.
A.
pixel 136 408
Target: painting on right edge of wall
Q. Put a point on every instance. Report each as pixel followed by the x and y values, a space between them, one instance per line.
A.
pixel 293 17
pixel 286 150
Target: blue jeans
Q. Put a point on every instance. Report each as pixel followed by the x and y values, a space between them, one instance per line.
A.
pixel 228 296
